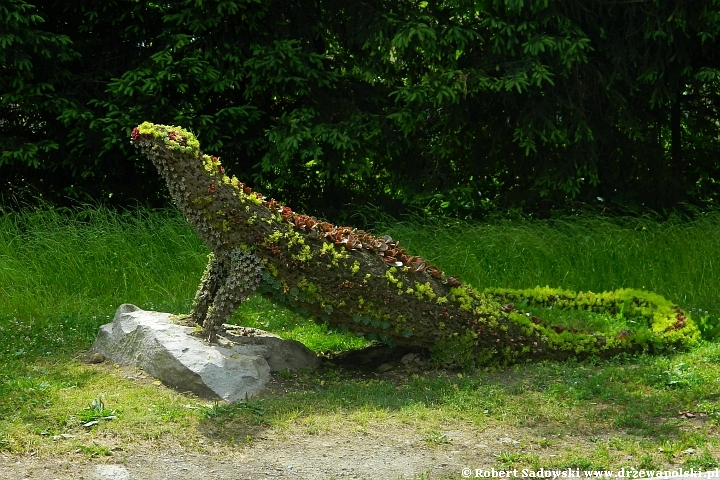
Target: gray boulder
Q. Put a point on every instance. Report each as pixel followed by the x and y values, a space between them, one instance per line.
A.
pixel 237 368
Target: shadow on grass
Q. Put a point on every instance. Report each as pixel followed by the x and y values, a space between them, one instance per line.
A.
pixel 654 397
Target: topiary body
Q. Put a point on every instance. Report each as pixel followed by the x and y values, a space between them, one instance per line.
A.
pixel 353 280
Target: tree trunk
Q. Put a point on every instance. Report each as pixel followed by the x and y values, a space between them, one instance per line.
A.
pixel 676 132
pixel 672 185
pixel 345 277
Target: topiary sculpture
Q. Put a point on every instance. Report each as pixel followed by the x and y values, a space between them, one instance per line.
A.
pixel 354 280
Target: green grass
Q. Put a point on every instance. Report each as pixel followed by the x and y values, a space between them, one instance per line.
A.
pixel 606 324
pixel 63 274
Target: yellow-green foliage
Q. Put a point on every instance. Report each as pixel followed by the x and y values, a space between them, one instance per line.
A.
pixel 295 244
pixel 166 134
pixel 662 319
pixel 390 276
pixel 424 290
pixel 335 255
pixel 462 296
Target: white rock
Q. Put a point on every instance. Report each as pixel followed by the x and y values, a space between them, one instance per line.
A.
pixel 111 472
pixel 167 351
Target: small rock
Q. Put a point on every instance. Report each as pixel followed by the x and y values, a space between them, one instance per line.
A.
pixel 97 358
pixel 111 472
pixel 384 368
pixel 508 440
pixel 408 358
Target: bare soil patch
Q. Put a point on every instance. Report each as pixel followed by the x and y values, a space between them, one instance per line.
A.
pixel 382 452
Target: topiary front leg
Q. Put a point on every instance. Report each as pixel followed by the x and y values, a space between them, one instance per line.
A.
pixel 237 283
pixel 215 275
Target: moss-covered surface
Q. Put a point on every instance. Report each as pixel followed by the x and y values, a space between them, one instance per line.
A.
pixel 356 281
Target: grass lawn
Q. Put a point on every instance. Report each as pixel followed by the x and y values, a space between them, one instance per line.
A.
pixel 63 274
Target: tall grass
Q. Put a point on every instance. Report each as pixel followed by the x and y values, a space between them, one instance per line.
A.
pixel 677 259
pixel 85 261
pixel 63 273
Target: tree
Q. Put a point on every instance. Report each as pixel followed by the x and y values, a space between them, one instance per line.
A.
pixel 57 60
pixel 452 106
pixel 542 101
pixel 34 65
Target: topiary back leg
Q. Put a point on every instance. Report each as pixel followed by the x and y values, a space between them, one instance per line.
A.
pixel 234 286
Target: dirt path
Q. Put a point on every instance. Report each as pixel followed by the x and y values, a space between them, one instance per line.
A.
pixel 395 454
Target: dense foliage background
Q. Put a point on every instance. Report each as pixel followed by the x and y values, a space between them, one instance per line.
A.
pixel 456 106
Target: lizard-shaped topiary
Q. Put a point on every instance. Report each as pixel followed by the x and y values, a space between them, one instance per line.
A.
pixel 356 281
